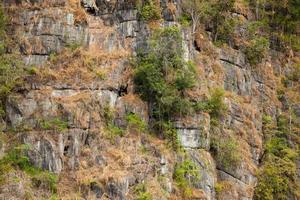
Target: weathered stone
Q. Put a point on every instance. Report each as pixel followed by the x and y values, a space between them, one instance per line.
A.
pixel 207 173
pixel 194 132
pixel 117 189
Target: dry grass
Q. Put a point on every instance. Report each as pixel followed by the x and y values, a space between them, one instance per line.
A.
pixel 79 66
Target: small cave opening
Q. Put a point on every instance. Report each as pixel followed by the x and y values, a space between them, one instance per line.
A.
pixel 196 46
pixel 122 90
pixel 66 150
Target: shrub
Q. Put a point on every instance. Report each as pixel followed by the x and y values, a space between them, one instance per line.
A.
pixel 256 50
pixel 150 12
pixel 170 133
pixel 184 20
pixel 108 114
pixel 141 192
pixel 136 123
pixel 226 151
pixel 277 178
pixel 16 158
pixel 10 66
pixel 274 179
pixel 185 174
pixel 56 124
pixel 161 77
pixel 46 180
pixel 215 106
pixel 10 75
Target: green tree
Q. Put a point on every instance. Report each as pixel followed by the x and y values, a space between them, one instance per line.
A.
pixel 162 76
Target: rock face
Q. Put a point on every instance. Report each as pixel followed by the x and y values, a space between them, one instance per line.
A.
pixel 64 118
pixel 194 133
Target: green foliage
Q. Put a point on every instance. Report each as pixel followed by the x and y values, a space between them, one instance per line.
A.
pixel 225 31
pixel 226 151
pixel 281 21
pixel 215 106
pixel 115 131
pixel 46 180
pixel 256 50
pixel 185 20
pixel 171 134
pixel 111 128
pixel 274 180
pixel 56 124
pixel 277 177
pixel 136 123
pixel 3 21
pixel 72 46
pixel 32 70
pixel 162 76
pixel 141 192
pixel 295 74
pixel 150 11
pixel 108 114
pixel 10 66
pixel 186 173
pixel 214 13
pixel 16 158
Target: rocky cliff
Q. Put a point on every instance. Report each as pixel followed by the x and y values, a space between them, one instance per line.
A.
pixel 81 118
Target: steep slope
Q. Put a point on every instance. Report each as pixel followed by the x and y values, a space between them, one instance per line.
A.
pixel 142 100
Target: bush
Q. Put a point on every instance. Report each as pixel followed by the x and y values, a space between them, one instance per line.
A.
pixel 226 151
pixel 150 11
pixel 170 133
pixel 277 178
pixel 256 50
pixel 141 192
pixel 185 174
pixel 16 158
pixel 274 179
pixel 56 124
pixel 136 123
pixel 215 106
pixel 162 76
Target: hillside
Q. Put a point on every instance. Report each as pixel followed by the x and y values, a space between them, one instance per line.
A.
pixel 150 99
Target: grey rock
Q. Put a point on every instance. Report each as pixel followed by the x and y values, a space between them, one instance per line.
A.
pixel 117 189
pixel 236 79
pixel 207 173
pixel 194 132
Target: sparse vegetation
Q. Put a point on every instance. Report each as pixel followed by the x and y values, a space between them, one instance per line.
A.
pixel 111 129
pixel 150 11
pixel 55 124
pixel 186 173
pixel 215 106
pixel 10 66
pixel 257 50
pixel 226 151
pixel 16 159
pixel 135 123
pixel 141 192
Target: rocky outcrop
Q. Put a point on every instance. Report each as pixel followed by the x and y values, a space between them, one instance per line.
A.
pixel 194 133
pixel 63 117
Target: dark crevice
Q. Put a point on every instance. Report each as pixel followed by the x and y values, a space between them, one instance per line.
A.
pixel 66 149
pixel 122 90
pixel 232 63
pixel 196 46
pixel 222 170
